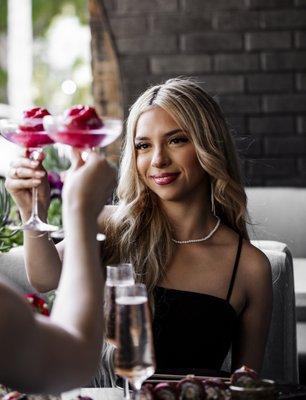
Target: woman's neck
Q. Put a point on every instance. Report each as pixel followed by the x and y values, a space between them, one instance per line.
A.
pixel 190 220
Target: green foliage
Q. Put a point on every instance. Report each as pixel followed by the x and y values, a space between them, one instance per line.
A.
pixel 44 11
pixel 3 77
pixel 55 212
pixel 3 16
pixel 55 162
pixel 8 237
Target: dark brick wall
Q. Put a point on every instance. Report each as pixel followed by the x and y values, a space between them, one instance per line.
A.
pixel 249 54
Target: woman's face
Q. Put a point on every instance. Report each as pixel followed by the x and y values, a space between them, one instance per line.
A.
pixel 166 158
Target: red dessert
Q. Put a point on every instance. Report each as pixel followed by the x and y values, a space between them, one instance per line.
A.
pixel 32 119
pixel 81 128
pixel 83 118
pixel 30 132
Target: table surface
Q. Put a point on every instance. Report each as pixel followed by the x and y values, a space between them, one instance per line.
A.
pixel 95 394
pixel 288 392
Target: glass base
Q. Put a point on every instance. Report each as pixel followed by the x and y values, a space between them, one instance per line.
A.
pixel 35 224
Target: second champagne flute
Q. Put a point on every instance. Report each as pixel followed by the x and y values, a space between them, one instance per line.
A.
pixel 134 358
pixel 117 275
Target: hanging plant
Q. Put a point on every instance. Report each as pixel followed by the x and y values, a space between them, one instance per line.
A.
pixel 8 238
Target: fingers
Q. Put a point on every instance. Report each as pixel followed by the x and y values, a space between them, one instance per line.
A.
pixel 24 162
pixel 25 173
pixel 76 159
pixel 19 184
pixel 39 156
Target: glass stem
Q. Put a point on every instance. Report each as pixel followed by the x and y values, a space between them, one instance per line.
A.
pixel 137 394
pixel 126 389
pixel 34 213
pixel 137 389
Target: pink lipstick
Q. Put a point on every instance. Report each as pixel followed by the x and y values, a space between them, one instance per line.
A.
pixel 165 178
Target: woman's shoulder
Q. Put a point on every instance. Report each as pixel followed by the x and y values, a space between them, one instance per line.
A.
pixel 255 266
pixel 253 257
pixel 252 262
pixel 105 214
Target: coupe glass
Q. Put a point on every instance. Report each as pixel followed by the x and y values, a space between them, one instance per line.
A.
pixel 33 141
pixel 134 358
pixel 83 139
pixel 117 275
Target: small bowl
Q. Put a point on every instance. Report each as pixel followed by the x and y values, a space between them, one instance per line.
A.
pixel 264 392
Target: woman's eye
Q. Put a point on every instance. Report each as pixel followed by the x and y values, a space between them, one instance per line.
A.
pixel 141 146
pixel 179 140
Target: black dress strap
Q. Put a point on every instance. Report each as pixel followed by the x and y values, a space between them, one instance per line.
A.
pixel 231 285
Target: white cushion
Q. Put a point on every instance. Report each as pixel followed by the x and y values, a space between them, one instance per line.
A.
pixel 279 214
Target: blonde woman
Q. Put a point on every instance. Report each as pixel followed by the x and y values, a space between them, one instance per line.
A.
pixel 180 218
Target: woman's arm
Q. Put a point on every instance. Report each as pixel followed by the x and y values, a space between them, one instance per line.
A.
pixel 42 258
pixel 51 355
pixel 249 346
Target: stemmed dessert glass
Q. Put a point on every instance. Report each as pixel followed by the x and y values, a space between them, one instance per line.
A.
pixel 33 141
pixel 134 358
pixel 80 138
pixel 117 275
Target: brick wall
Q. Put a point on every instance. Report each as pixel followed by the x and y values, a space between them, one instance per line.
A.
pixel 250 54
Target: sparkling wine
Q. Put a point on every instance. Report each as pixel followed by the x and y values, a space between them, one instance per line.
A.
pixel 134 358
pixel 110 314
pixel 110 308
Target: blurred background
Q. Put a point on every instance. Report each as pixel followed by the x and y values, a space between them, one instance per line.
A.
pixel 249 54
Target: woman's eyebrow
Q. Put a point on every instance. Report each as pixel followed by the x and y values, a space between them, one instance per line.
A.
pixel 167 134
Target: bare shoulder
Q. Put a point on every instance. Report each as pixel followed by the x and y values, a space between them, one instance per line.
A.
pixel 105 214
pixel 255 266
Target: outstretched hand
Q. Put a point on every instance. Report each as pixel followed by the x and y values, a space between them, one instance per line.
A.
pixel 88 184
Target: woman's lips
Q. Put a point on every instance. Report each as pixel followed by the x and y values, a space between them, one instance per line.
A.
pixel 165 179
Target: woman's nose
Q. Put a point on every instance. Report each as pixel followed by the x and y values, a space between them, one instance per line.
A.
pixel 160 158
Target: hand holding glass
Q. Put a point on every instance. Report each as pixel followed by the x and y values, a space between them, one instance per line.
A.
pixel 34 141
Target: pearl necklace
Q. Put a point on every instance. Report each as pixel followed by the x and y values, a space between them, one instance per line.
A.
pixel 200 239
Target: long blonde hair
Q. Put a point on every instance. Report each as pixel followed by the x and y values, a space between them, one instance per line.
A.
pixel 138 231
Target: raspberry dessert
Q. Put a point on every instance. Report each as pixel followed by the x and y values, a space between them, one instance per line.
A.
pixel 83 118
pixel 32 119
pixel 81 127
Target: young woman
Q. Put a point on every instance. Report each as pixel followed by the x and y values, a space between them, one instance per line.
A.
pixel 180 218
pixel 41 354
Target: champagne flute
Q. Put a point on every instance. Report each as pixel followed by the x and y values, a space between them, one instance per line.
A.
pixel 33 141
pixel 117 275
pixel 134 359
